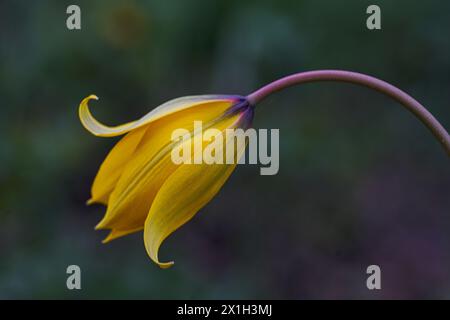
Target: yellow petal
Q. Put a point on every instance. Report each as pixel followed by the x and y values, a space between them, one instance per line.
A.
pixel 151 165
pixel 181 196
pixel 112 167
pixel 114 234
pixel 170 107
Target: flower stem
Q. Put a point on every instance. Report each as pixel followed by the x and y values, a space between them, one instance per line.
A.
pixel 353 77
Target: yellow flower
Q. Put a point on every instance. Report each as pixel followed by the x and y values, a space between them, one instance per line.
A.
pixel 143 188
pixel 138 181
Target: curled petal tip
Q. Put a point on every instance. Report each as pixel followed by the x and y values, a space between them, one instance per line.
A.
pixel 90 97
pixel 165 265
pixel 153 254
pixel 90 201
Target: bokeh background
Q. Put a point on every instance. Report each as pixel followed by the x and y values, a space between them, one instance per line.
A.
pixel 361 181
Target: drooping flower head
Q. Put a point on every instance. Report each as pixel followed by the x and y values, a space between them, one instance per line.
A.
pixel 143 188
pixel 138 181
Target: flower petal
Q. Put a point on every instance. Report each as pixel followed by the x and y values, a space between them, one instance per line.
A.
pixel 114 234
pixel 151 165
pixel 113 166
pixel 181 196
pixel 172 106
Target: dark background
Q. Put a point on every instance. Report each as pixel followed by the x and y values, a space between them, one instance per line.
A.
pixel 361 181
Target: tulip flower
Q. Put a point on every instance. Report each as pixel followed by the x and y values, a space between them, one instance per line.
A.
pixel 144 189
pixel 138 181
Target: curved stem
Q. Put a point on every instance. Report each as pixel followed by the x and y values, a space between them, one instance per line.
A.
pixel 353 77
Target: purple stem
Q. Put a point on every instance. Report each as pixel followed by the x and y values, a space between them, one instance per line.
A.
pixel 353 77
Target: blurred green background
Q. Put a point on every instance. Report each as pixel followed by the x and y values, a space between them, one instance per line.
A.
pixel 361 181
